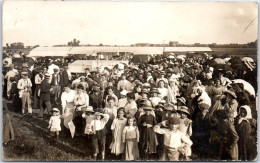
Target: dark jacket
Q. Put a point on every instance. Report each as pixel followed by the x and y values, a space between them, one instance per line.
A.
pixel 45 90
pixel 228 140
pixel 58 78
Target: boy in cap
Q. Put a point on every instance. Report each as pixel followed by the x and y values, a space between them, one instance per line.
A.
pixel 24 85
pixel 97 128
pixel 88 115
pixel 174 140
pixel 123 100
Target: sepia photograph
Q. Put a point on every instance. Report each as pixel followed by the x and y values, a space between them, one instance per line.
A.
pixel 129 81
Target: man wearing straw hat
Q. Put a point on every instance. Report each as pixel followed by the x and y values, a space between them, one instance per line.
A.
pixel 24 85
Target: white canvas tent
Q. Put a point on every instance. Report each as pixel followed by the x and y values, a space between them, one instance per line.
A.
pixel 49 52
pixel 89 50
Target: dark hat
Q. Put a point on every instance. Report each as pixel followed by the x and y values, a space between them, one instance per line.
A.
pixel 96 89
pixel 147 105
pixel 154 90
pixel 25 73
pixel 144 91
pixel 159 106
pixel 98 111
pixel 47 75
pixel 174 121
pixel 233 94
pixel 67 85
pixel 183 109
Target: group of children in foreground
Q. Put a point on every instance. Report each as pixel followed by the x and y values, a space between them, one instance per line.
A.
pixel 129 136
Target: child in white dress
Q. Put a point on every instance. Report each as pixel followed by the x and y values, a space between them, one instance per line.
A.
pixel 130 137
pixel 54 124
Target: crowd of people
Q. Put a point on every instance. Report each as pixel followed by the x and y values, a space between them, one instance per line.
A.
pixel 170 108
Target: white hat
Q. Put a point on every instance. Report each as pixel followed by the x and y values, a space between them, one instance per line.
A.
pixel 120 66
pixel 124 92
pixel 211 69
pixel 55 110
pixel 171 57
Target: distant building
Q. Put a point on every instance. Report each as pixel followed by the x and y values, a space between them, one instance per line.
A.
pixel 17 45
pixel 142 44
pixel 173 43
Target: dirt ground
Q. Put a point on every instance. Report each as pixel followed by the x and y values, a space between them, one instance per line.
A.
pixel 33 143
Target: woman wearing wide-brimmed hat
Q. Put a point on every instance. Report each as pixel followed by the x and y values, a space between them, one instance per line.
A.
pixel 185 127
pixel 231 103
pixel 147 135
pixel 154 96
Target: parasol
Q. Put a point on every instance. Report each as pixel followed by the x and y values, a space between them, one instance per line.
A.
pixel 247 59
pixel 219 61
pixel 247 86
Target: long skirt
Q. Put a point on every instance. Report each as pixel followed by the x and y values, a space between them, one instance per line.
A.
pixel 149 141
pixel 131 150
pixel 78 122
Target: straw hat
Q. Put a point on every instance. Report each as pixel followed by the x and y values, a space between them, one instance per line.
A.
pixel 169 107
pixel 146 85
pixel 182 100
pixel 147 105
pixel 88 109
pixel 183 109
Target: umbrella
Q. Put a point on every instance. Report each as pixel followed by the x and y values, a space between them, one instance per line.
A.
pixel 183 56
pixel 223 67
pixel 226 59
pixel 247 86
pixel 219 61
pixel 247 59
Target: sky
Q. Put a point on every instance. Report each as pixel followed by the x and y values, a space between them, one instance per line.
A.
pixel 48 23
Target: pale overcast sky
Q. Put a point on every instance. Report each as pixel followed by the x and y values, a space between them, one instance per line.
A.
pixel 49 23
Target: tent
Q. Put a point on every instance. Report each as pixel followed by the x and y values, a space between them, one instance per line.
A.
pixel 50 52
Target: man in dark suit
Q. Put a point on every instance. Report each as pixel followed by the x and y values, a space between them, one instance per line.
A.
pixel 65 77
pixel 55 85
pixel 45 91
